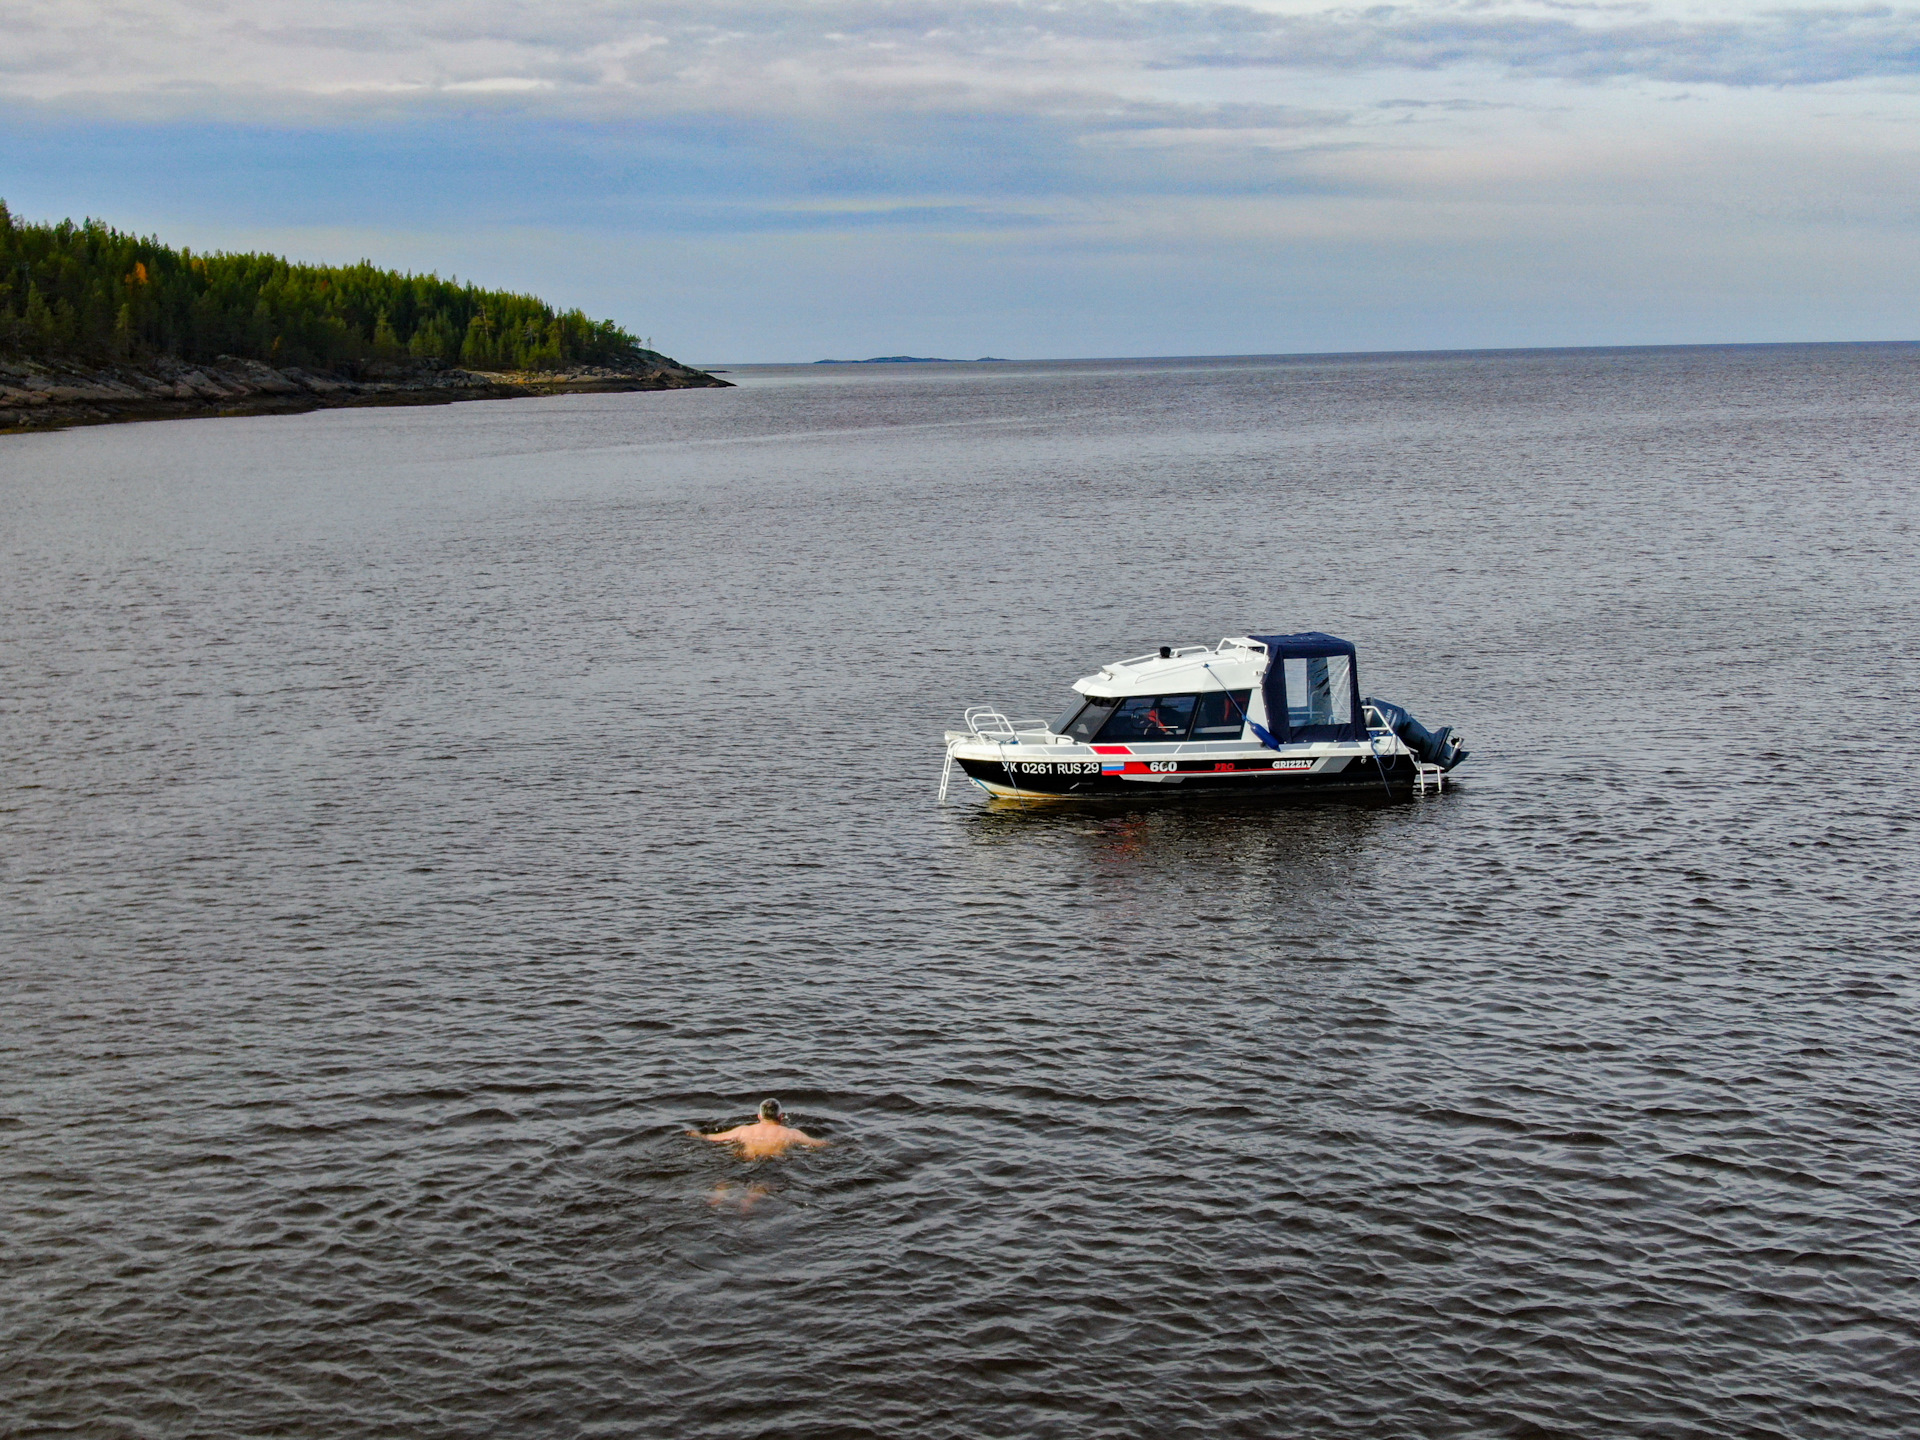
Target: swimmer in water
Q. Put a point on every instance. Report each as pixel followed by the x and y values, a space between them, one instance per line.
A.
pixel 767 1137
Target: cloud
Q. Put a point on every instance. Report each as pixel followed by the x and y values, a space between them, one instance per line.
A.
pixel 932 103
pixel 959 117
pixel 263 58
pixel 497 85
pixel 1787 47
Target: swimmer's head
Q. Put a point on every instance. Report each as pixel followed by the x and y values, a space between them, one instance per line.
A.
pixel 770 1110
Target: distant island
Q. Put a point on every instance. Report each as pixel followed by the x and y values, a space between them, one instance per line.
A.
pixel 918 360
pixel 97 325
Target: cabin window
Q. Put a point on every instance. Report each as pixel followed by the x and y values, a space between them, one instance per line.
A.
pixel 1083 722
pixel 1319 691
pixel 1221 716
pixel 1150 717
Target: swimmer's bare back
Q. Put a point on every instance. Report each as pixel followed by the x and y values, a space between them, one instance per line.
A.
pixel 764 1138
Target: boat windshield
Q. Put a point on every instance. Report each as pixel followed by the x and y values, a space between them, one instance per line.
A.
pixel 1150 717
pixel 1084 720
pixel 1221 715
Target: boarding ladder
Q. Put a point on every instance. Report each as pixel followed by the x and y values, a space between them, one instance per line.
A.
pixel 987 723
pixel 1426 776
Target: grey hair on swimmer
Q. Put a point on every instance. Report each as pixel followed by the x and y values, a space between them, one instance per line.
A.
pixel 770 1110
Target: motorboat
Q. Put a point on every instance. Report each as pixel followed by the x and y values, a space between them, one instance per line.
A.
pixel 1270 715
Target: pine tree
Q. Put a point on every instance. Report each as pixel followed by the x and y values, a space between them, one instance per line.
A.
pixel 40 327
pixel 386 344
pixel 477 351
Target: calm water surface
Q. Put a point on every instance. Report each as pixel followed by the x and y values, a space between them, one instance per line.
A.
pixel 414 819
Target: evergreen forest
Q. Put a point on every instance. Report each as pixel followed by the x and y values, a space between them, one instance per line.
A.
pixel 91 294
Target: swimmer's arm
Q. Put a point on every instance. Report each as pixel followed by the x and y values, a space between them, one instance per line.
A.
pixel 806 1139
pixel 733 1134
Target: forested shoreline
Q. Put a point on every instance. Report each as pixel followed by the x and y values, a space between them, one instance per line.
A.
pixel 98 326
pixel 87 293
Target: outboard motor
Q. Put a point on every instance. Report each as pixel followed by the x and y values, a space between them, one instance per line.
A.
pixel 1442 747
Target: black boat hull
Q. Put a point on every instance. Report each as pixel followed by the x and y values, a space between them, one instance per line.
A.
pixel 1393 777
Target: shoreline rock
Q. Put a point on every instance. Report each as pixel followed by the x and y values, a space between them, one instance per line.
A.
pixel 37 395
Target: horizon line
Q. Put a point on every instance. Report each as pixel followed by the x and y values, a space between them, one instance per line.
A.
pixel 1341 354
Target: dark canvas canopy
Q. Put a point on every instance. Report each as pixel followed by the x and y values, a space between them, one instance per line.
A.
pixel 1312 687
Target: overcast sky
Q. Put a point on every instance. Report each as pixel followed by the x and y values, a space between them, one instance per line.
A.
pixel 791 179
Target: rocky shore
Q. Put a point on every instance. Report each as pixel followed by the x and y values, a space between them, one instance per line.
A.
pixel 37 395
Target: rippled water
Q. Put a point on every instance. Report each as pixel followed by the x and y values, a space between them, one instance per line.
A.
pixel 415 819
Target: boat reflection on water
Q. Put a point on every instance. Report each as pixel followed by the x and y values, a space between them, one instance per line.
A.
pixel 1199 844
pixel 1198 885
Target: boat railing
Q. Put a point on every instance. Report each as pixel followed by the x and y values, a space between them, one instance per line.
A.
pixel 1156 655
pixel 989 724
